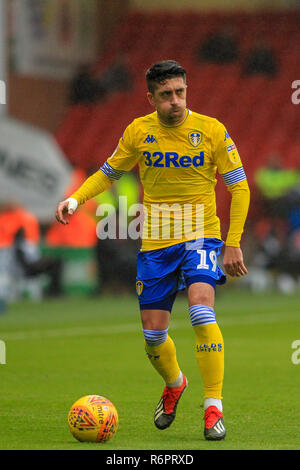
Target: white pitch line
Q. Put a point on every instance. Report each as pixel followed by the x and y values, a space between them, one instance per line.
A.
pixel 69 332
pixel 134 327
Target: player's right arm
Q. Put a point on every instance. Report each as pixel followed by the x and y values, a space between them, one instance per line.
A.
pixel 123 159
pixel 95 184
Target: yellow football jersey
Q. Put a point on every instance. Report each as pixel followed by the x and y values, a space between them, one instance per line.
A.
pixel 177 167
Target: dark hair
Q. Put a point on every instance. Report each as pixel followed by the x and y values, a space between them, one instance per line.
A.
pixel 162 71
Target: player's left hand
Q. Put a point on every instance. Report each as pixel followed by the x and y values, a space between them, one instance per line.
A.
pixel 233 262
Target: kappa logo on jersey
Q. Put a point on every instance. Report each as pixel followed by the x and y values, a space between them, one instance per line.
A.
pixel 172 160
pixel 227 136
pixel 150 139
pixel 195 138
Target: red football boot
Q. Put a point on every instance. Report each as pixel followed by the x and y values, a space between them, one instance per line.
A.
pixel 214 425
pixel 166 409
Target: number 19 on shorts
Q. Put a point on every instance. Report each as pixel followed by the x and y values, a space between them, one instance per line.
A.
pixel 212 255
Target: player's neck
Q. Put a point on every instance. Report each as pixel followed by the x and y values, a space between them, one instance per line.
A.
pixel 172 122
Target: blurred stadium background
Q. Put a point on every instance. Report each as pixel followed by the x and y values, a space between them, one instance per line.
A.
pixel 72 75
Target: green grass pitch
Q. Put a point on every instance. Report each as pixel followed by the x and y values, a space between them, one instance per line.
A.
pixel 58 351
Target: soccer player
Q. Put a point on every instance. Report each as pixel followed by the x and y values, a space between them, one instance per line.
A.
pixel 178 152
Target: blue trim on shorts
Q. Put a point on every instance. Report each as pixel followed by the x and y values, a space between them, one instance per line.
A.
pixel 201 278
pixel 163 304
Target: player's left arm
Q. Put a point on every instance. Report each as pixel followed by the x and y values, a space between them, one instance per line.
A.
pixel 233 257
pixel 230 167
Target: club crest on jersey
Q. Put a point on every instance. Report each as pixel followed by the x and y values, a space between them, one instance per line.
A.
pixel 195 138
pixel 139 287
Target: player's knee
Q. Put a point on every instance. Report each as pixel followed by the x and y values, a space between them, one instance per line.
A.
pixel 201 296
pixel 202 299
pixel 155 337
pixel 155 319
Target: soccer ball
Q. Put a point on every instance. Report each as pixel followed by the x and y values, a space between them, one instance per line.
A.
pixel 93 418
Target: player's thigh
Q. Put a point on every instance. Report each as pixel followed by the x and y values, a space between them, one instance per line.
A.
pixel 201 293
pixel 201 271
pixel 153 319
pixel 156 288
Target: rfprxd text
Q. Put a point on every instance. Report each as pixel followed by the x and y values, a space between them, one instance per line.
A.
pixel 152 459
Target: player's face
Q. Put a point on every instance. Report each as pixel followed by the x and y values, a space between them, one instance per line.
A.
pixel 169 99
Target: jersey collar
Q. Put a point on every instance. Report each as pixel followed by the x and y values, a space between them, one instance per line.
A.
pixel 187 113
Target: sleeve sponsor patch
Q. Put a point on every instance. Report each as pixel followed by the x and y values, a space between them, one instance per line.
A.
pixel 233 153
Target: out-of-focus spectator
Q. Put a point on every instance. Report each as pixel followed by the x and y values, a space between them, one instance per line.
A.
pixel 75 243
pixel 221 47
pixel 292 200
pixel 87 87
pixel 33 264
pixel 84 87
pixel 81 233
pixel 273 182
pixel 116 258
pixel 261 60
pixel 12 219
pixel 116 77
pixel 277 227
pixel 20 256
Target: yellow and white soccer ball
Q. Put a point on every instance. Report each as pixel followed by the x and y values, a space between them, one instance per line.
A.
pixel 93 418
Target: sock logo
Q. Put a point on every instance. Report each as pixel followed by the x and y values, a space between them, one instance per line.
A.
pixel 152 357
pixel 209 347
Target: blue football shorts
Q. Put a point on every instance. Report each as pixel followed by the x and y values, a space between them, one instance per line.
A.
pixel 162 273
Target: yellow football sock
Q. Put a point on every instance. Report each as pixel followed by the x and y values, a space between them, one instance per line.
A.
pixel 209 350
pixel 163 358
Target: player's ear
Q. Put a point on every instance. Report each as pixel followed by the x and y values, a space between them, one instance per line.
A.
pixel 150 98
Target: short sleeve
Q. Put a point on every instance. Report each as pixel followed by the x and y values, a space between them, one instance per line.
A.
pixel 226 156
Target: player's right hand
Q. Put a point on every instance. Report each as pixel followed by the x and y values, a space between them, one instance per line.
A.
pixel 65 208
